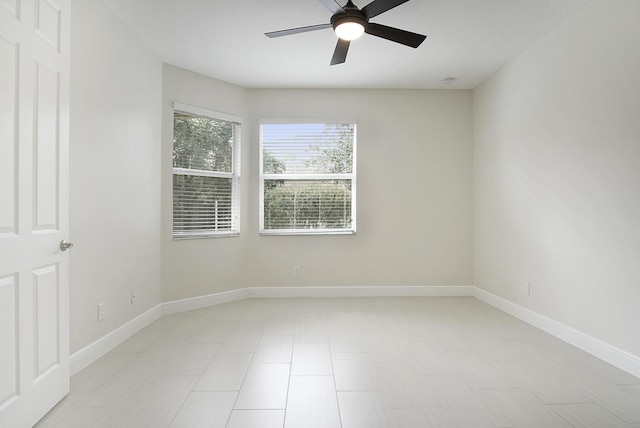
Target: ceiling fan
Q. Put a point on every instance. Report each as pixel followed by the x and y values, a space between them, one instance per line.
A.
pixel 349 23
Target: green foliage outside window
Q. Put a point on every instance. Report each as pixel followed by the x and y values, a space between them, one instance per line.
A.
pixel 307 205
pixel 201 146
pixel 321 202
pixel 202 143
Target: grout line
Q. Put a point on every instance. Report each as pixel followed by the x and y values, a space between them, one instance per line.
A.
pixel 286 401
pixel 335 388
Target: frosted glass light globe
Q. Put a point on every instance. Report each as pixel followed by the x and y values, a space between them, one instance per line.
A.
pixel 349 30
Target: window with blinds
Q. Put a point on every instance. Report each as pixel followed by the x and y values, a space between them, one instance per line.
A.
pixel 307 178
pixel 206 165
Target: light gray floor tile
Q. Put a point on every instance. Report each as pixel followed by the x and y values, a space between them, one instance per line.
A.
pixel 365 409
pixel 588 415
pixel 274 350
pixel 142 340
pixel 483 373
pixel 156 403
pixel 389 362
pixel 101 371
pixel 550 387
pixel 124 387
pixel 354 372
pixel 346 340
pixel 311 360
pixel 404 386
pixel 412 418
pixel 205 409
pixel 65 412
pixel 430 359
pixel 464 403
pixel 312 403
pixel 217 331
pixel 94 417
pixel 245 339
pixel 256 419
pixel 523 409
pixel 611 396
pixel 161 350
pixel 225 372
pixel 439 418
pixel 634 389
pixel 264 388
pixel 191 359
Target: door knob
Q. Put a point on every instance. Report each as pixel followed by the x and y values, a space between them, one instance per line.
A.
pixel 64 245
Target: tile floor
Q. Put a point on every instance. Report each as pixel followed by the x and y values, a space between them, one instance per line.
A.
pixel 347 362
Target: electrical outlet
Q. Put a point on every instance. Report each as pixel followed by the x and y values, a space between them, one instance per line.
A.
pixel 527 288
pixel 296 271
pixel 100 311
pixel 133 297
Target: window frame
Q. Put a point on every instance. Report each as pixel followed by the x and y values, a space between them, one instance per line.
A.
pixel 311 176
pixel 234 175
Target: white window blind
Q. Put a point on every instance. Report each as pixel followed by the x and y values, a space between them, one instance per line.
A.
pixel 206 165
pixel 307 178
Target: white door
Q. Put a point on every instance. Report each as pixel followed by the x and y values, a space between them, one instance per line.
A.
pixel 34 142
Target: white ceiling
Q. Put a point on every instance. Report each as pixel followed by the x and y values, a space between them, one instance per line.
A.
pixel 224 39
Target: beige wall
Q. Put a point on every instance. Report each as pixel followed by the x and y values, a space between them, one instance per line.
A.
pixel 114 171
pixel 414 158
pixel 414 213
pixel 197 267
pixel 557 175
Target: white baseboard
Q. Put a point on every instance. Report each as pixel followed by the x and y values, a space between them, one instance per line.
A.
pixel 362 291
pixel 617 357
pixel 106 343
pixel 289 292
pixel 198 302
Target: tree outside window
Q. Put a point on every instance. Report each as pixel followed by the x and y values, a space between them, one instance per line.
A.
pixel 205 178
pixel 308 178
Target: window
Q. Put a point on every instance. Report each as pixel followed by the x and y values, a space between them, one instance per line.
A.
pixel 307 178
pixel 206 173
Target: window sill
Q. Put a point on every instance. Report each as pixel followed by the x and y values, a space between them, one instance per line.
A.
pixel 306 232
pixel 205 236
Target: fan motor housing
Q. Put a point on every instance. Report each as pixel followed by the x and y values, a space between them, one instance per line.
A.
pixel 349 15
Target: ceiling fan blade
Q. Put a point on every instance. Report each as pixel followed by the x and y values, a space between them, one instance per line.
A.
pixel 395 35
pixel 297 30
pixel 376 7
pixel 333 6
pixel 340 54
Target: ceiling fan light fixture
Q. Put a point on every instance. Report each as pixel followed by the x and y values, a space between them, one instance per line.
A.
pixel 349 30
pixel 349 25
